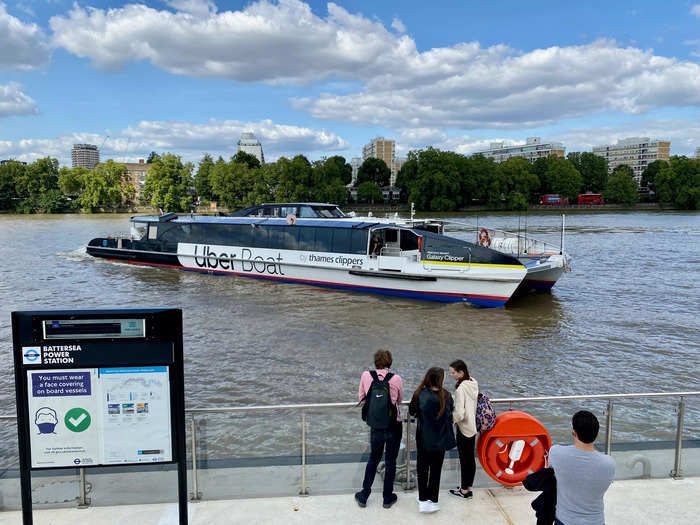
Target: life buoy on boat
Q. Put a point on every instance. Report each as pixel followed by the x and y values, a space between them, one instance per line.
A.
pixel 484 239
pixel 516 446
pixel 420 243
pixel 291 219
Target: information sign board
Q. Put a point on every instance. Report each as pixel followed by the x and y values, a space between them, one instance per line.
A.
pixel 99 388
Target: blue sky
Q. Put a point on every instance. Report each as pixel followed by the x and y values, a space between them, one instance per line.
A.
pixel 318 78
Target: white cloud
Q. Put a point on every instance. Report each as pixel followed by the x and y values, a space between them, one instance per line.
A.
pixel 14 102
pixel 398 25
pixel 190 140
pixel 22 46
pixel 695 10
pixel 464 86
pixel 271 42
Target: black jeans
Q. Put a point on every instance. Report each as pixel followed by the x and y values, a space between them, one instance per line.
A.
pixel 390 437
pixel 467 463
pixel 429 468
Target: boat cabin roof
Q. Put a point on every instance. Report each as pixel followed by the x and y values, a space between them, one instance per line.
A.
pixel 269 221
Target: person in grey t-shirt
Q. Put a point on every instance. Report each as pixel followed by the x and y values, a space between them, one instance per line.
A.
pixel 583 474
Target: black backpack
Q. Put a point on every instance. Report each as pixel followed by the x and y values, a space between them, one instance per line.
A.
pixel 378 411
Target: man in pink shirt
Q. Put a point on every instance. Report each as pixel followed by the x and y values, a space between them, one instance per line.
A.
pixel 381 437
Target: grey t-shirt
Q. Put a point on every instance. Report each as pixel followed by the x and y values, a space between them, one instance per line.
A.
pixel 582 479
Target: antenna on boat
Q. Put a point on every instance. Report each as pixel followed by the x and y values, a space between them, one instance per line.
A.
pixel 413 212
pixel 563 223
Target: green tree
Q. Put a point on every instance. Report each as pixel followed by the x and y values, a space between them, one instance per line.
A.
pixel 679 183
pixel 374 170
pixel 407 175
pixel 518 182
pixel 295 180
pixel 650 172
pixel 622 186
pixel 369 192
pixel 152 157
pixel 202 186
pixel 106 186
pixel 231 183
pixel 33 182
pixel 563 177
pixel 9 173
pixel 593 169
pixel 168 185
pixel 432 179
pixel 477 172
pixel 251 161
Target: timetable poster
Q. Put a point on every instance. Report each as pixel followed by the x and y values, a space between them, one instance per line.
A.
pixel 98 416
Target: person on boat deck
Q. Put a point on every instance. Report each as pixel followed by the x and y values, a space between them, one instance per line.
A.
pixel 375 245
pixel 432 405
pixel 464 417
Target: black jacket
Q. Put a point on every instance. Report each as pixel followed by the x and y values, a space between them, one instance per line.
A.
pixel 433 432
pixel 545 504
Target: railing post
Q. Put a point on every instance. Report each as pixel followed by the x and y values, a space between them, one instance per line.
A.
pixel 408 485
pixel 608 428
pixel 676 472
pixel 196 495
pixel 303 491
pixel 83 500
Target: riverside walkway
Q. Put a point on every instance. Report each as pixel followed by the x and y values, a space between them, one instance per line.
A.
pixel 638 502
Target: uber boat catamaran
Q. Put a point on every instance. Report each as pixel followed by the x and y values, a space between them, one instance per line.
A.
pixel 305 245
pixel 545 262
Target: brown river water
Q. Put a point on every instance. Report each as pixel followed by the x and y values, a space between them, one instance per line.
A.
pixel 624 320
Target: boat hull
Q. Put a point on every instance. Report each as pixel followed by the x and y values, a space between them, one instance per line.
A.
pixel 480 285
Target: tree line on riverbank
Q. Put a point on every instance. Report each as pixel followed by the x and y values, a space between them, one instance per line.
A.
pixel 434 180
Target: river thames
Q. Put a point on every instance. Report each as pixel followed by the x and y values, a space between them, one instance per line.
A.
pixel 624 320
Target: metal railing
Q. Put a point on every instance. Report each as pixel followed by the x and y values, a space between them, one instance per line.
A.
pixel 676 472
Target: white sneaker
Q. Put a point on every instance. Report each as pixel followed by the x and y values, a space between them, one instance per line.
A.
pixel 425 506
pixel 434 507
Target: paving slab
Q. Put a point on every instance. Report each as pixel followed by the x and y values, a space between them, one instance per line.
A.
pixel 640 502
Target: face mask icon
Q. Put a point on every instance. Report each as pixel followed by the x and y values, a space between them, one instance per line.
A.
pixel 46 420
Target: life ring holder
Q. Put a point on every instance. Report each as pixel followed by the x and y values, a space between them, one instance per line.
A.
pixel 291 219
pixel 484 238
pixel 495 447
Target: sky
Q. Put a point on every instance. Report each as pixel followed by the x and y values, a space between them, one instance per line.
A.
pixel 323 79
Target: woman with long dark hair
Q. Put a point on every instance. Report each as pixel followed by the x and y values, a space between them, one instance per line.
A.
pixel 464 417
pixel 432 406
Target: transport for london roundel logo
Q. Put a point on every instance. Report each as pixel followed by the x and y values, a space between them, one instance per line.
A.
pixel 77 419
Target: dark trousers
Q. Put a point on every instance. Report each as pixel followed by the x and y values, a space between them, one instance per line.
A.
pixel 428 469
pixel 378 439
pixel 467 462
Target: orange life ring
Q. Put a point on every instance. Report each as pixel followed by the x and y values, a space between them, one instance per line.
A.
pixel 484 239
pixel 506 460
pixel 291 219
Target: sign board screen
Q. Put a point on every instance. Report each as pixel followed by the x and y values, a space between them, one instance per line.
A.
pixel 99 416
pixel 94 328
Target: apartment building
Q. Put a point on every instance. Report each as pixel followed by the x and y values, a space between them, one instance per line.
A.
pixel 137 174
pixel 697 153
pixel 85 156
pixel 636 152
pixel 250 144
pixel 532 150
pixel 381 148
pixel 355 162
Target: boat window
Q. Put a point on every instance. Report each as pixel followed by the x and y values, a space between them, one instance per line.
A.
pixel 152 231
pixel 138 230
pixel 270 211
pixel 286 210
pixel 306 212
pixel 359 241
pixel 391 235
pixel 306 239
pixel 282 237
pixel 341 240
pixel 323 240
pixel 409 240
pixel 328 212
pixel 258 237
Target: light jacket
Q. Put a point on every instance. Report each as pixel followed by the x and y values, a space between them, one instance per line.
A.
pixel 464 415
